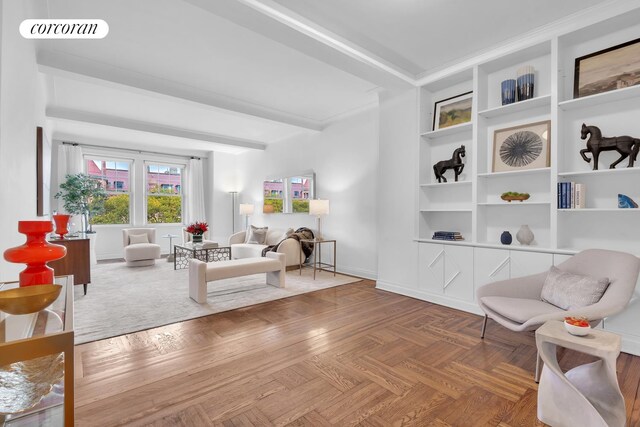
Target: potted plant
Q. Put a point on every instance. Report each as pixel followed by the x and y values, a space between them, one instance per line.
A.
pixel 197 229
pixel 83 195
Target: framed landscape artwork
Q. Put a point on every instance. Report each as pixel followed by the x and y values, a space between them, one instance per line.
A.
pixel 522 147
pixel 614 68
pixel 452 111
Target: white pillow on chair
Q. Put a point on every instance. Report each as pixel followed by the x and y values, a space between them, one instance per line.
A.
pixel 134 239
pixel 571 291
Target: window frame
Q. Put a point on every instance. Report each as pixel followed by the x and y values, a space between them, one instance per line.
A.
pixel 109 158
pixel 146 193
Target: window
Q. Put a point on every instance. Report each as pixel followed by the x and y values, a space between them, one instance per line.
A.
pixel 301 187
pixel 273 196
pixel 164 193
pixel 115 177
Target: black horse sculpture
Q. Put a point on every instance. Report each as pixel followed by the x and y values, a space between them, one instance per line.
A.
pixel 625 145
pixel 455 163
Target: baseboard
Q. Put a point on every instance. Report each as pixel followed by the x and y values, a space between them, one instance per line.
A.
pixel 430 297
pixel 357 272
pixel 109 255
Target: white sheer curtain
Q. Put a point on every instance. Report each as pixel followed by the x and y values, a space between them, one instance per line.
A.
pixel 70 162
pixel 195 192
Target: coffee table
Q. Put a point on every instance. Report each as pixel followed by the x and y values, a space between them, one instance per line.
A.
pixel 183 253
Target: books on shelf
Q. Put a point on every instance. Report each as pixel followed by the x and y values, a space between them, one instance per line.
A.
pixel 571 195
pixel 447 235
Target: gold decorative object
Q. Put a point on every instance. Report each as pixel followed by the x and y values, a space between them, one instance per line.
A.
pixel 29 299
pixel 509 197
pixel 24 384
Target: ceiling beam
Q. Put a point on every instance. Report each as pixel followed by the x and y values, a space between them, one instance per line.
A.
pixel 136 125
pixel 278 23
pixel 81 69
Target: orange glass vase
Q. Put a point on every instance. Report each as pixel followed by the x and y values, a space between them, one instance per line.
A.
pixel 35 252
pixel 62 221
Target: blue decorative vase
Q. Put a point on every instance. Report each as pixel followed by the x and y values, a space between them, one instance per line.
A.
pixel 197 238
pixel 526 77
pixel 626 202
pixel 508 91
pixel 506 238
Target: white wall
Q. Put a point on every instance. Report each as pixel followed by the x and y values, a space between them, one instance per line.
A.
pixel 220 211
pixel 344 157
pixel 21 111
pixel 397 177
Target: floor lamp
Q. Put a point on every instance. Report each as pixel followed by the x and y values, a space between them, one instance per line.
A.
pixel 246 210
pixel 234 195
pixel 319 208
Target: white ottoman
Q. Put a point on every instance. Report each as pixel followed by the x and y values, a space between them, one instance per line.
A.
pixel 201 273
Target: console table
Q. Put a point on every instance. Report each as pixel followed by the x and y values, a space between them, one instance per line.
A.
pixel 587 395
pixel 47 333
pixel 77 262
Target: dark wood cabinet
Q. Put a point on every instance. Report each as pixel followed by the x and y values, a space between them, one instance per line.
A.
pixel 76 262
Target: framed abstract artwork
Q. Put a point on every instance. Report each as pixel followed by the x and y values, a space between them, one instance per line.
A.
pixel 522 147
pixel 452 111
pixel 613 68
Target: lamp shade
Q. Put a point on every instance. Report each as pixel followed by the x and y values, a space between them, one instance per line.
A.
pixel 318 207
pixel 246 209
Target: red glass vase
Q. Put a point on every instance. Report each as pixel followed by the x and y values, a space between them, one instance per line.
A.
pixel 35 252
pixel 61 220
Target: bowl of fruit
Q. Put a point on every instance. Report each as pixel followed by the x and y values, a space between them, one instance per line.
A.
pixel 577 326
pixel 512 195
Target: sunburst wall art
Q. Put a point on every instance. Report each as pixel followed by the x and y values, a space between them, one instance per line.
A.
pixel 522 147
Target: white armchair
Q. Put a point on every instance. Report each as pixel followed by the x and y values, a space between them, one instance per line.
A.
pixel 140 248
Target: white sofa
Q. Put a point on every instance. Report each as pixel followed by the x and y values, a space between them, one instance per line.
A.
pixel 289 247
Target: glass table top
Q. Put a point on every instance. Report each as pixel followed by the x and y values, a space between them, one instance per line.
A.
pixel 51 320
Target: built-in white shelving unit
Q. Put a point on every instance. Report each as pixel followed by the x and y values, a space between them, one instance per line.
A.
pixel 472 206
pixel 441 133
pixel 446 184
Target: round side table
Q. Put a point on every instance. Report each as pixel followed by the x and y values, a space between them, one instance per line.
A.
pixel 587 395
pixel 170 237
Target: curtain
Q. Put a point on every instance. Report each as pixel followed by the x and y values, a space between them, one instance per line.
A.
pixel 70 162
pixel 195 192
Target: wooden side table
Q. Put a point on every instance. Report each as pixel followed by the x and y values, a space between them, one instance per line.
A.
pixel 317 264
pixel 77 262
pixel 587 395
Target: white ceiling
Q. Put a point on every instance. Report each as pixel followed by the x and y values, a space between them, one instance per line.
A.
pixel 114 102
pixel 423 35
pixel 251 69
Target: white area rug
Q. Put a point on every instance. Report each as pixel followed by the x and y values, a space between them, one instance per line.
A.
pixel 121 300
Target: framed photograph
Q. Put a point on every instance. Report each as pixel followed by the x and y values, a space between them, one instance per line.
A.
pixel 614 68
pixel 452 111
pixel 522 147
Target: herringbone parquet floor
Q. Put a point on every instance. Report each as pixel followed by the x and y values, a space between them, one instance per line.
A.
pixel 351 355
